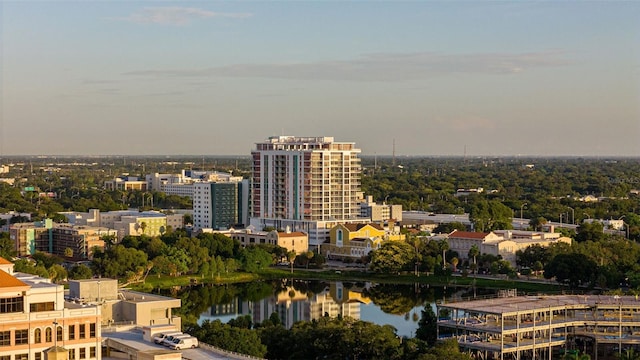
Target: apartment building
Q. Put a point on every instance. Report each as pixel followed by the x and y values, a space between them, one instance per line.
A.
pixel 308 184
pixel 37 323
pixel 220 204
pixel 75 242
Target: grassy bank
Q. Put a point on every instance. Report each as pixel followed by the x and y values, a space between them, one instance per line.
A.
pixel 163 282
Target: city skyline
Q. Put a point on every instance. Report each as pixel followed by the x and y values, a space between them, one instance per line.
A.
pixel 433 78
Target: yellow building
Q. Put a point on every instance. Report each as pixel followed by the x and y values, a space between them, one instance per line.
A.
pixel 35 320
pixel 292 241
pixel 353 240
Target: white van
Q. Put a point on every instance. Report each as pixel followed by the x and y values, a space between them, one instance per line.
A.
pixel 186 343
pixel 167 341
pixel 174 339
pixel 159 338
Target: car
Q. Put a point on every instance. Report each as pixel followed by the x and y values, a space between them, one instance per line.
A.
pixel 159 338
pixel 168 340
pixel 175 339
pixel 185 343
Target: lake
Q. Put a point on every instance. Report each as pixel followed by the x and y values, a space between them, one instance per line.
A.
pixel 294 300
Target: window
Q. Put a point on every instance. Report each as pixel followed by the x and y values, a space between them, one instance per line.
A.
pixel 72 354
pixel 22 337
pixel 5 338
pixel 92 330
pixel 11 305
pixel 45 306
pixel 59 333
pixel 83 334
pixel 83 353
pixel 72 332
pixel 92 352
pixel 37 334
pixel 38 356
pixel 47 335
pixel 21 357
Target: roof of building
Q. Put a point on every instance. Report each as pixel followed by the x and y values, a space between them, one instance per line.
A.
pixel 356 227
pixel 7 281
pixel 4 261
pixel 291 234
pixel 468 234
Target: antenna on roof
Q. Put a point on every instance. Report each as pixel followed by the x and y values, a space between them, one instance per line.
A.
pixel 394 152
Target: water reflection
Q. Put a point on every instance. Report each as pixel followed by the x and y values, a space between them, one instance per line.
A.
pixel 296 300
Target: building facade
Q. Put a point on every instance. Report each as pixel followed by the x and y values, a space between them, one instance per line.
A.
pixel 306 183
pixel 35 320
pixel 128 222
pixel 220 205
pixel 76 242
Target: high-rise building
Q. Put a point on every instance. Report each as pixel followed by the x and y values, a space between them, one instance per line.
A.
pixel 306 183
pixel 220 205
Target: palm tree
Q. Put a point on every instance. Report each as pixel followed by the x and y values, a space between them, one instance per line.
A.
pixel 291 256
pixel 474 251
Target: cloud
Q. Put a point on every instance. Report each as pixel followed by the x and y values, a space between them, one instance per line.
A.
pixel 174 15
pixel 381 67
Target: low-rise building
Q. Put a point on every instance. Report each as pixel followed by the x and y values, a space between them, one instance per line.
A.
pixel 501 242
pixel 36 322
pixel 128 222
pixel 353 241
pixel 291 240
pixel 125 184
pixel 74 242
pixel 369 209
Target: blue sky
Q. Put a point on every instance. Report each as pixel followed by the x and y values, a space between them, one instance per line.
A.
pixel 215 77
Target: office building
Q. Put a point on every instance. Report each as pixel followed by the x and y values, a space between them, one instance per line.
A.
pixel 37 323
pixel 74 242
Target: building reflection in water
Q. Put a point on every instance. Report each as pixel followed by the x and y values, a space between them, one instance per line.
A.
pixel 292 305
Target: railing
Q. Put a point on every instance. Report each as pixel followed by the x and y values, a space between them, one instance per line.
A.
pixel 216 350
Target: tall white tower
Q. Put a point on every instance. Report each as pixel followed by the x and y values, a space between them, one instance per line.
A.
pixel 305 178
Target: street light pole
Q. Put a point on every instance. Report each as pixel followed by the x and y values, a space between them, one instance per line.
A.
pixel 573 216
pixel 521 210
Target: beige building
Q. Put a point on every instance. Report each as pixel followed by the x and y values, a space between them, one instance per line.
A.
pixel 128 222
pixel 129 183
pixel 37 323
pixel 379 212
pixel 291 240
pixel 74 242
pixel 125 307
pixel 501 242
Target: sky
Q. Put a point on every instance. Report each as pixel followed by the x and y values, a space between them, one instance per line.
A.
pixel 423 78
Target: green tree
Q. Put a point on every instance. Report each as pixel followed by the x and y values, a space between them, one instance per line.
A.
pixel 7 247
pixel 254 259
pixel 428 326
pixel 572 268
pixel 79 272
pixel 392 257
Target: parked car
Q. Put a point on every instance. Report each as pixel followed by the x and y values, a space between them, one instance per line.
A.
pixel 159 338
pixel 185 343
pixel 169 339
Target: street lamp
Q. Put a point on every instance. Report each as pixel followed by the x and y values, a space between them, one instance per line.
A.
pixel 521 209
pixel 588 216
pixel 573 217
